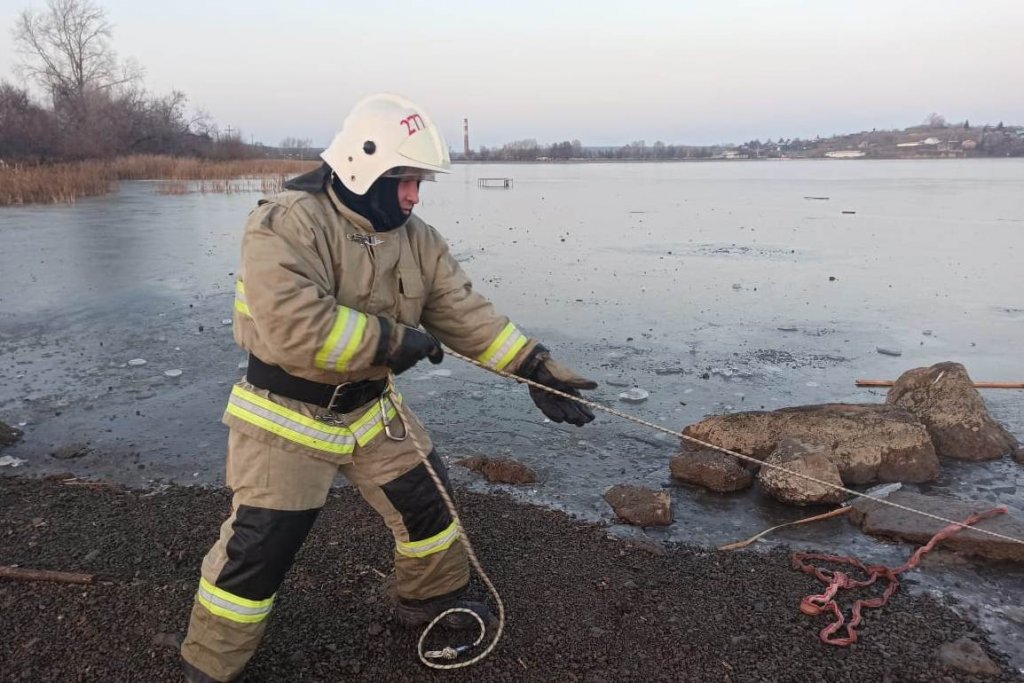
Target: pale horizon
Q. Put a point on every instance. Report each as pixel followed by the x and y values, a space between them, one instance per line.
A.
pixel 702 73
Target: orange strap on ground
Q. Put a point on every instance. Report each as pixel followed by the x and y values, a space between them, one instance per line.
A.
pixel 837 581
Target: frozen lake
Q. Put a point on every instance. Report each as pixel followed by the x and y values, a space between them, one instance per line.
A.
pixel 649 275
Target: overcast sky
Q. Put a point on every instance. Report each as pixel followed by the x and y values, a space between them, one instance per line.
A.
pixel 680 71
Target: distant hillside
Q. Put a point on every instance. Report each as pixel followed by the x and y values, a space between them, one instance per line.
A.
pixel 933 140
pixel 925 141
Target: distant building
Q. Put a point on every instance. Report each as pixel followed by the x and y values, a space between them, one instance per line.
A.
pixel 845 154
pixel 931 141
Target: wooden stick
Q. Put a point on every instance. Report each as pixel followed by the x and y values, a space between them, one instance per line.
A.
pixel 24 574
pixel 979 385
pixel 826 515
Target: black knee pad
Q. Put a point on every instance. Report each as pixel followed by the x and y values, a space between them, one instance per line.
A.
pixel 417 499
pixel 262 549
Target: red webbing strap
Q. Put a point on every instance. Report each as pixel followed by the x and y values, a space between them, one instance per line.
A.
pixel 837 580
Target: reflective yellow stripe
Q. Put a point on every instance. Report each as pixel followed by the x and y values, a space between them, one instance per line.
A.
pixel 429 546
pixel 344 339
pixel 233 607
pixel 504 348
pixel 240 303
pixel 296 427
pixel 370 425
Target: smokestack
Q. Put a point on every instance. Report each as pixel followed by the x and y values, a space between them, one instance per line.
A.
pixel 465 137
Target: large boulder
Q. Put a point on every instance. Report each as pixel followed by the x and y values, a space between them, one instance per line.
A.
pixel 801 457
pixel 867 443
pixel 1018 455
pixel 967 657
pixel 500 470
pixel 711 469
pixel 639 506
pixel 943 397
pixel 880 519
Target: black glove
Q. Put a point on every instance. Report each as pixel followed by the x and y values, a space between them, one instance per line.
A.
pixel 539 367
pixel 409 346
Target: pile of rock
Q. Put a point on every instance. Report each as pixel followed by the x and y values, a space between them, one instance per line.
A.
pixel 929 412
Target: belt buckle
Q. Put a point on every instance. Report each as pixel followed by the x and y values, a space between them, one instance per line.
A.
pixel 335 395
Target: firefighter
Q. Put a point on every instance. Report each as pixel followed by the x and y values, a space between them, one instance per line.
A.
pixel 337 277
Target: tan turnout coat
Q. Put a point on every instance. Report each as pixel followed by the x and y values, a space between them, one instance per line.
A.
pixel 314 277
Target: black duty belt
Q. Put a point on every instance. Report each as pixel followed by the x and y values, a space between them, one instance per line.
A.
pixel 341 398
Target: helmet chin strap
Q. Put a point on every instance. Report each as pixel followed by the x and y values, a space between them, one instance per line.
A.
pixel 379 205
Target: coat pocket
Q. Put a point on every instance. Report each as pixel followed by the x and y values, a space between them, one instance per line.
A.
pixel 410 296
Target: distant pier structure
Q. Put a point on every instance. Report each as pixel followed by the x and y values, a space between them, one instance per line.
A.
pixel 465 138
pixel 501 183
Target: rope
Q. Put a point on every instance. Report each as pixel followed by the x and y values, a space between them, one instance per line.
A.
pixel 741 456
pixel 449 652
pixel 836 581
pixel 808 604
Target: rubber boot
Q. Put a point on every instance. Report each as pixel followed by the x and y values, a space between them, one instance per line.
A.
pixel 415 613
pixel 194 675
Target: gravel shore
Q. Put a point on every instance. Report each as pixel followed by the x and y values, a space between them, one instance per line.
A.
pixel 581 606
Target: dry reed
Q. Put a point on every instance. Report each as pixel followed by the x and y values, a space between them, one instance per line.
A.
pixel 56 183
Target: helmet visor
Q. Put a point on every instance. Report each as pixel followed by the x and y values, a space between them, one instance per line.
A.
pixel 410 173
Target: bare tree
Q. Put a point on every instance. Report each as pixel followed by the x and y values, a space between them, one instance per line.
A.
pixel 66 50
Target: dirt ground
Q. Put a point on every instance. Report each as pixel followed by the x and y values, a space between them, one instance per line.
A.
pixel 581 606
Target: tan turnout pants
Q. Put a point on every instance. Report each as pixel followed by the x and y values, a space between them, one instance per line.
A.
pixel 277 496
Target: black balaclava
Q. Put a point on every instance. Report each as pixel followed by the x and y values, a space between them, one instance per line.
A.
pixel 379 205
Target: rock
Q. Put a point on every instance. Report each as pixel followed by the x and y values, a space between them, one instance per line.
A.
pixel 711 469
pixel 1018 455
pixel 879 519
pixel 72 450
pixel 866 442
pixel 889 351
pixel 9 435
pixel 170 641
pixel 173 373
pixel 137 362
pixel 801 457
pixel 943 397
pixel 640 506
pixel 634 395
pixel 500 470
pixel 966 656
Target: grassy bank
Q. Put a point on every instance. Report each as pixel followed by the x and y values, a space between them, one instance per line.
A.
pixel 56 183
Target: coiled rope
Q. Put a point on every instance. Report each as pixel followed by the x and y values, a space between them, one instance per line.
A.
pixel 450 653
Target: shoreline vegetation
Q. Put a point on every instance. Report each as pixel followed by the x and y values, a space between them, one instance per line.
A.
pixel 67 181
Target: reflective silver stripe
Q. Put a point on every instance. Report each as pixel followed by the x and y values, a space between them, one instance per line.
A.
pixel 498 360
pixel 354 318
pixel 429 546
pixel 288 424
pixel 232 607
pixel 341 441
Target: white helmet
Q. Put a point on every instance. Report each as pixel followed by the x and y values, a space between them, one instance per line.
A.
pixel 382 135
